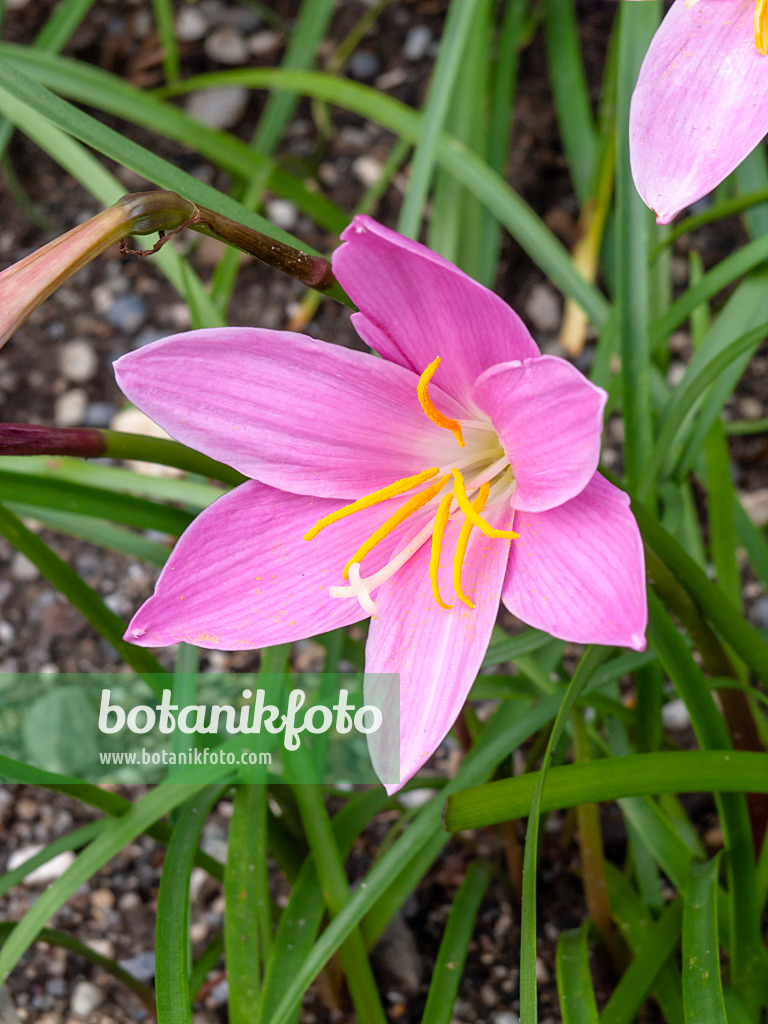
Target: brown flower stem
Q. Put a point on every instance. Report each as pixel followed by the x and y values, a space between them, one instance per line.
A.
pixel 31 439
pixel 168 213
pixel 91 443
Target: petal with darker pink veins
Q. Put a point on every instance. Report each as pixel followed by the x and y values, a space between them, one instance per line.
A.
pixel 700 104
pixel 242 576
pixel 578 571
pixel 414 305
pixel 295 413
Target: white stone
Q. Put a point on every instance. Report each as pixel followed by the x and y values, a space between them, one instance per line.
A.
pixel 86 999
pixel 226 46
pixel 191 24
pixel 367 169
pixel 417 43
pixel 543 308
pixel 22 569
pixel 262 43
pixel 77 361
pixel 283 213
pixel 756 505
pixel 675 714
pixel 218 108
pixel 47 872
pixel 70 408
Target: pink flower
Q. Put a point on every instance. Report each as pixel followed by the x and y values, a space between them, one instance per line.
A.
pixel 701 101
pixel 363 472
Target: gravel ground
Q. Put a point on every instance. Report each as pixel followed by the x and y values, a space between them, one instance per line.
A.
pixel 57 370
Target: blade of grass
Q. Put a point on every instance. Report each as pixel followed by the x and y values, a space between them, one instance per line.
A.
pixel 509 209
pixel 246 855
pixel 457 27
pixel 650 959
pixel 574 979
pixel 702 985
pixel 637 23
pixel 171 943
pixel 590 660
pixel 454 945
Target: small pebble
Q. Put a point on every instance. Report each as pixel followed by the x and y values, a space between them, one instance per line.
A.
pixel 364 65
pixel 760 612
pixel 751 408
pixel 675 373
pixel 417 43
pixel 7 632
pixel 69 408
pixel 86 999
pixel 56 987
pixel 542 971
pixel 367 169
pixel 77 361
pixel 98 414
pixel 543 308
pixel 505 1017
pixel 218 108
pixel 283 213
pixel 263 43
pixel 127 312
pixel 226 46
pixel 22 569
pixel 191 24
pixel 756 505
pixel 675 714
pixel 141 965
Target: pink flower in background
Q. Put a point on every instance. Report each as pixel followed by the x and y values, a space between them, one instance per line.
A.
pixel 701 101
pixel 420 488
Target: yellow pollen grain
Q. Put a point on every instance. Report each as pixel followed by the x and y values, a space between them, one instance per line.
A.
pixel 461 497
pixel 412 505
pixel 461 548
pixel 430 409
pixel 441 520
pixel 761 26
pixel 390 491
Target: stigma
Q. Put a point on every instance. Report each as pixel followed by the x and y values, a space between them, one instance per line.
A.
pixel 457 492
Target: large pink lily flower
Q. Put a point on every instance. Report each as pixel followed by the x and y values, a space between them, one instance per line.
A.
pixel 701 101
pixel 419 488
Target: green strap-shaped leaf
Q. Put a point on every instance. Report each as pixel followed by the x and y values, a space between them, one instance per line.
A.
pixel 574 978
pixel 702 985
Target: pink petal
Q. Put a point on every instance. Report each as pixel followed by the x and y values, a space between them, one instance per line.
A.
pixel 700 104
pixel 296 413
pixel 437 653
pixel 417 306
pixel 549 418
pixel 578 571
pixel 242 576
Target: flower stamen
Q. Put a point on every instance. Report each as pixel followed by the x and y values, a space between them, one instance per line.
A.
pixel 761 26
pixel 472 515
pixel 441 520
pixel 390 491
pixel 430 410
pixel 461 547
pixel 412 505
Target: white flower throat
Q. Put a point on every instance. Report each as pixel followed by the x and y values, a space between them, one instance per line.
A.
pixel 479 478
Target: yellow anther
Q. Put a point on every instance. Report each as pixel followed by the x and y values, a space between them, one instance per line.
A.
pixel 431 411
pixel 461 548
pixel 465 506
pixel 412 505
pixel 761 26
pixel 441 520
pixel 390 491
